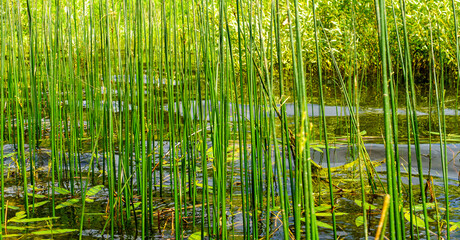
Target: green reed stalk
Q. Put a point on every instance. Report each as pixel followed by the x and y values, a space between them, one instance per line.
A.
pixel 151 113
pixel 409 152
pixel 2 116
pixel 457 48
pixel 443 148
pixel 295 191
pixel 220 110
pixel 32 116
pixel 252 122
pixel 280 166
pixel 79 123
pixel 271 134
pixel 268 125
pixel 213 80
pixel 176 77
pixel 70 77
pixel 439 97
pixel 383 39
pixel 198 120
pixel 399 215
pixel 48 63
pixel 323 119
pixel 120 167
pixel 85 188
pixel 303 164
pixel 183 90
pixel 243 157
pixel 108 108
pixel 357 129
pixel 202 123
pixel 171 120
pixel 235 109
pixel 20 104
pixel 413 115
pixel 408 120
pixel 125 114
pixel 141 158
pixel 9 76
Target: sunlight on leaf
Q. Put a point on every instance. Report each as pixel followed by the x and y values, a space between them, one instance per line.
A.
pixel 54 231
pixel 94 190
pixel 68 203
pixel 196 236
pixel 359 221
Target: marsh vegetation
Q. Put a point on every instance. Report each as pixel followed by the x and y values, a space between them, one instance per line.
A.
pixel 232 119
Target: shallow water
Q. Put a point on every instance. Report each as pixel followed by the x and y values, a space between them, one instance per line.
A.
pixel 163 206
pixel 314 110
pixel 341 154
pixel 96 211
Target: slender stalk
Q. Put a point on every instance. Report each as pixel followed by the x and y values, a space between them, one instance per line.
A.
pixel 323 119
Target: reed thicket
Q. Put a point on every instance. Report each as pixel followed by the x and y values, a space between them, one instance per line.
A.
pixel 184 104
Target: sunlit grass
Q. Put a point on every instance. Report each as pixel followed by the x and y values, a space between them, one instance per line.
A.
pixel 184 104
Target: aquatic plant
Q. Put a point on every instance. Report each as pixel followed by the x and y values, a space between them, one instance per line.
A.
pixel 195 119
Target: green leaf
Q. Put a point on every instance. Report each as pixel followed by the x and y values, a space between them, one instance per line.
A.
pixel 428 218
pixel 202 186
pixel 328 214
pixel 16 228
pixel 68 203
pixel 39 204
pixel 324 225
pixel 94 190
pixel 27 220
pixel 13 207
pixel 36 195
pixel 137 204
pixel 317 149
pixel 196 236
pixel 319 224
pixel 9 155
pixel 11 236
pixel 322 207
pixel 36 188
pixel 19 215
pixel 418 221
pixel 54 231
pixel 419 207
pixel 366 205
pixel 454 226
pixel 61 190
pixel 359 221
pixel 275 209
